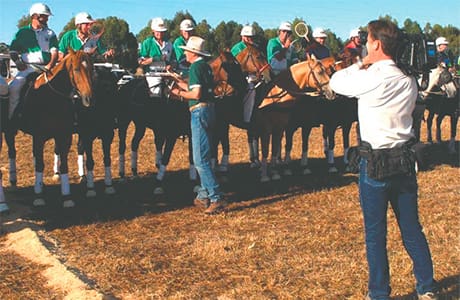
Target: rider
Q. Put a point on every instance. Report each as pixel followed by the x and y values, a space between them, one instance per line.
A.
pixel 247 38
pixel 186 31
pixel 354 45
pixel 317 48
pixel 35 44
pixel 443 53
pixel 280 52
pixel 80 39
pixel 156 48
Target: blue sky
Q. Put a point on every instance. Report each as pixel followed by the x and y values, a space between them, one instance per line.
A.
pixel 340 16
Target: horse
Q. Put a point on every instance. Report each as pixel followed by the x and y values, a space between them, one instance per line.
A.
pixel 169 120
pixel 312 112
pixel 47 113
pixel 3 117
pixel 98 121
pixel 442 99
pixel 273 113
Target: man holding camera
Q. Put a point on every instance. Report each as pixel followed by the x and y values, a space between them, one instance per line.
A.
pixel 280 52
pixel 386 99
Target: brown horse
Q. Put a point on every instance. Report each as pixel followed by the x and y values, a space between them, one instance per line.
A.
pixel 272 115
pixel 48 114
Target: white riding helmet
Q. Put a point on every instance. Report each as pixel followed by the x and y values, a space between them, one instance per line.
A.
pixel 285 26
pixel 186 25
pixel 40 9
pixel 83 18
pixel 247 30
pixel 319 33
pixel 354 33
pixel 158 24
pixel 441 41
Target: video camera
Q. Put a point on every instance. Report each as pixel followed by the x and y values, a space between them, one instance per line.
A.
pixel 416 55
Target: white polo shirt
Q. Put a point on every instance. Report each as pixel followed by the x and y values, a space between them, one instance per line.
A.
pixel 386 100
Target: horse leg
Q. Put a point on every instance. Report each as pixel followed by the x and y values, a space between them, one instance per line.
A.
pixel 10 135
pixel 122 130
pixel 160 141
pixel 225 142
pixel 253 145
pixel 170 142
pixel 64 144
pixel 37 146
pixel 277 136
pixel 288 149
pixel 306 130
pixel 329 138
pixel 265 142
pixel 138 135
pixel 106 145
pixel 81 158
pixel 87 146
pixel 429 124
pixel 453 132
pixel 439 119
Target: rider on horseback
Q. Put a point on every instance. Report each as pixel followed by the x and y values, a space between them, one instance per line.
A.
pixel 81 39
pixel 33 45
pixel 280 52
pixel 317 48
pixel 443 54
pixel 186 31
pixel 247 38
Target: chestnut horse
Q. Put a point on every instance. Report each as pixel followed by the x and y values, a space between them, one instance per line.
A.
pixel 272 115
pixel 48 114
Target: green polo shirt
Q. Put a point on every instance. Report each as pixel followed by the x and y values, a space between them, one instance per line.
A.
pixel 178 51
pixel 150 48
pixel 35 46
pixel 71 40
pixel 201 75
pixel 274 46
pixel 237 48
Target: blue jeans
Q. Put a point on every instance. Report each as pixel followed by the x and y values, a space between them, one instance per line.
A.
pixel 202 122
pixel 401 192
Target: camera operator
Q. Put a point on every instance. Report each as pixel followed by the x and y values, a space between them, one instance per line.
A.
pixel 386 99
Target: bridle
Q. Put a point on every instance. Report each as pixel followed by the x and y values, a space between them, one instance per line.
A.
pixel 250 57
pixel 227 88
pixel 311 73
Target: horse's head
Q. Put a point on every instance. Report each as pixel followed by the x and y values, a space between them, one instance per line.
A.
pixel 312 73
pixel 253 61
pixel 80 70
pixel 228 77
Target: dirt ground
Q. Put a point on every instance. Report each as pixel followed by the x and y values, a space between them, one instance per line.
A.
pixel 297 238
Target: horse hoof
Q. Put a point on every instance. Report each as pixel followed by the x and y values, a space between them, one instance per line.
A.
pixel 110 190
pixel 307 171
pixel 13 186
pixel 38 202
pixel 255 164
pixel 56 177
pixel 121 180
pixel 4 208
pixel 276 176
pixel 264 179
pixel 158 191
pixel 196 188
pixel 288 172
pixel 68 203
pixel 333 170
pixel 90 193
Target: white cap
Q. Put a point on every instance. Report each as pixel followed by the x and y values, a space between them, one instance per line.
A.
pixel 319 33
pixel 83 18
pixel 40 9
pixel 285 26
pixel 158 24
pixel 196 44
pixel 441 41
pixel 247 30
pixel 186 25
pixel 354 32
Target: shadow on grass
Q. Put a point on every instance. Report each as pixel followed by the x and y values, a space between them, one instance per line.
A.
pixel 449 289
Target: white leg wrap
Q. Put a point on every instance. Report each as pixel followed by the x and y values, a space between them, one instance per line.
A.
pixel 65 185
pixel 158 157
pixel 38 188
pixel 81 165
pixel 57 159
pixel 161 172
pixel 12 171
pixel 224 160
pixel 133 160
pixel 90 180
pixel 108 176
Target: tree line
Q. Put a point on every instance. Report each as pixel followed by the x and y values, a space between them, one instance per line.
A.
pixel 118 36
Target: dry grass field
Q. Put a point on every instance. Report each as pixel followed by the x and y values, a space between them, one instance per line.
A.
pixel 297 238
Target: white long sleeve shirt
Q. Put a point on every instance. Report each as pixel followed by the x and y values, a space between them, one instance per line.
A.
pixel 386 100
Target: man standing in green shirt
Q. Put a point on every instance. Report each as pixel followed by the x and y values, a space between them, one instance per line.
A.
pixel 280 52
pixel 186 31
pixel 247 38
pixel 80 39
pixel 198 93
